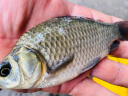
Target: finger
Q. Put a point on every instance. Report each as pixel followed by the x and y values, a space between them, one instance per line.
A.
pixel 122 50
pixel 112 72
pixel 90 88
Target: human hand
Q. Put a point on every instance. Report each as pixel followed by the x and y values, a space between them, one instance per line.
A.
pixel 19 16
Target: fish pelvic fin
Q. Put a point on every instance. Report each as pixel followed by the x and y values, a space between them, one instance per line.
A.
pixel 123 29
pixel 91 64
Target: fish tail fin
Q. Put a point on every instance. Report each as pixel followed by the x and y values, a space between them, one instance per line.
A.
pixel 123 29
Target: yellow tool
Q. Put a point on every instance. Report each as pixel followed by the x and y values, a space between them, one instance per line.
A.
pixel 116 89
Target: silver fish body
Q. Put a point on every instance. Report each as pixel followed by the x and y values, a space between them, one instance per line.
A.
pixel 56 51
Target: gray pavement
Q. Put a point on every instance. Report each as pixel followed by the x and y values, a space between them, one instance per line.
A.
pixel 118 8
pixel 11 93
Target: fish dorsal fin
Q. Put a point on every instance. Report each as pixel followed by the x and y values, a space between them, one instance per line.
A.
pixel 76 17
pixel 63 63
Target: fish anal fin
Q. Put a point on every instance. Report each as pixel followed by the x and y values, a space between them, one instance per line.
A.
pixel 91 64
pixel 63 63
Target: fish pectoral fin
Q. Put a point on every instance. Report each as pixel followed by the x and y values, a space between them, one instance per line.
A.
pixel 91 64
pixel 63 63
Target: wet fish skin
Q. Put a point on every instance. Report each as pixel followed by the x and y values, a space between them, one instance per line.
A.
pixel 63 48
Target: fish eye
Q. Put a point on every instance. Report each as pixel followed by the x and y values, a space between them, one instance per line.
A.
pixel 5 69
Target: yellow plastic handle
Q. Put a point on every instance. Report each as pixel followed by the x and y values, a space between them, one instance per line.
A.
pixel 116 89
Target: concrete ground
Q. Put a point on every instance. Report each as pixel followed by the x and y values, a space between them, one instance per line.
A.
pixel 116 8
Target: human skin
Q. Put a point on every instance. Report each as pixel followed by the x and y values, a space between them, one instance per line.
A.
pixel 18 16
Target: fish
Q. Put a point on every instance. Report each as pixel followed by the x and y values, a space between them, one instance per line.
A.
pixel 58 50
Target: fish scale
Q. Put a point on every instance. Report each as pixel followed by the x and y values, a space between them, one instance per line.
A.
pixel 76 39
pixel 63 48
